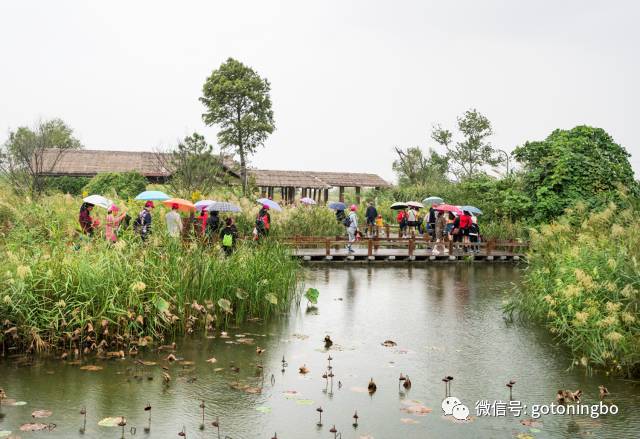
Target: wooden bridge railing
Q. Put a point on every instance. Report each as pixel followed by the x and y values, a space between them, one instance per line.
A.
pixel 411 244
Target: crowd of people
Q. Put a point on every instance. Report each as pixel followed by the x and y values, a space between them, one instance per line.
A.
pixel 440 226
pixel 204 224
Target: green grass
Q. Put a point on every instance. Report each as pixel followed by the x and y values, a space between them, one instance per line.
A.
pixel 583 282
pixel 54 281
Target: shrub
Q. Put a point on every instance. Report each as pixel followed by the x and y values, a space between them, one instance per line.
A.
pixel 583 281
pixel 124 185
pixel 67 184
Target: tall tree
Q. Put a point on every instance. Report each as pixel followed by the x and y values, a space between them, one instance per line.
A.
pixel 30 154
pixel 413 167
pixel 193 166
pixel 474 151
pixel 582 164
pixel 237 100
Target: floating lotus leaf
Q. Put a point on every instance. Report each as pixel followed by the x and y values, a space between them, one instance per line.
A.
pixel 91 368
pixel 312 295
pixel 271 298
pixel 33 427
pixel 225 305
pixel 263 409
pixel 110 421
pixel 41 413
pixel 419 410
pixel 409 421
pixel 304 401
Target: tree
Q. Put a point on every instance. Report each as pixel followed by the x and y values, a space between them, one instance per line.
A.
pixel 471 154
pixel 193 166
pixel 582 164
pixel 123 184
pixel 237 99
pixel 412 167
pixel 30 154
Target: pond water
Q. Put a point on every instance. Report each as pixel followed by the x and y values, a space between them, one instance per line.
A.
pixel 445 319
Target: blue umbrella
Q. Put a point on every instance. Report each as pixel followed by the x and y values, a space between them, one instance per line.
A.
pixel 272 204
pixel 337 205
pixel 433 200
pixel 222 206
pixel 203 204
pixel 471 209
pixel 153 196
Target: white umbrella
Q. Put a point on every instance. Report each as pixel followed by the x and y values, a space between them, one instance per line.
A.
pixel 415 204
pixel 307 200
pixel 98 200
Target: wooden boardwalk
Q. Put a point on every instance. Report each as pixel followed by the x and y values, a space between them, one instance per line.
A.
pixel 327 249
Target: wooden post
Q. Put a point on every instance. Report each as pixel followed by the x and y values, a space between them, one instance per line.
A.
pixel 411 246
pixel 387 231
pixel 450 247
pixel 370 248
pixel 326 196
pixel 376 245
pixel 341 194
pixel 327 247
pixel 357 194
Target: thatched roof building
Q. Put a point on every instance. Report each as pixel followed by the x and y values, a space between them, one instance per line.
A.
pixel 154 166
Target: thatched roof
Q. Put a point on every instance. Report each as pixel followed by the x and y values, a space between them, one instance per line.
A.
pixel 272 178
pixel 89 162
pixel 310 179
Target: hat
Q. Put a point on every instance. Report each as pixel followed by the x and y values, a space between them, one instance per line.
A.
pixel 149 204
pixel 174 206
pixel 113 208
pixel 265 206
pixel 353 207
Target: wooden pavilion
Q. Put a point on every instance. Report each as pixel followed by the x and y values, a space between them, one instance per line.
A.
pixel 315 185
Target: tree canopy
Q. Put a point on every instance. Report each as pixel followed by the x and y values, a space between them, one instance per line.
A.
pixel 582 164
pixel 469 155
pixel 237 100
pixel 194 166
pixel 22 157
pixel 413 167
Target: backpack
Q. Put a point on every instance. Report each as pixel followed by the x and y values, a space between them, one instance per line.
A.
pixel 227 240
pixel 346 222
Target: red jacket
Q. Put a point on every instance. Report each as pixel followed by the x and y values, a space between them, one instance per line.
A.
pixel 465 221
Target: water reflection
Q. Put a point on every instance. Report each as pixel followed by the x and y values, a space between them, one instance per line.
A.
pixel 445 319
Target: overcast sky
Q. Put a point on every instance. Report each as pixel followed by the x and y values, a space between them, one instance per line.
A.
pixel 350 79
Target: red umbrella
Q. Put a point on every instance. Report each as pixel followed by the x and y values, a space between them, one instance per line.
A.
pixel 448 208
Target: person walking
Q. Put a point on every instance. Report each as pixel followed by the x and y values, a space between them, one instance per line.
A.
pixel 465 225
pixel 440 226
pixel 370 214
pixel 174 222
pixel 263 222
pixel 213 225
pixel 340 215
pixel 412 220
pixel 87 224
pixel 143 223
pixel 402 222
pixel 351 223
pixel 431 221
pixel 229 236
pixel 112 223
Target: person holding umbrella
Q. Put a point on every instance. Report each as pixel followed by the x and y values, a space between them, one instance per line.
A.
pixel 229 236
pixel 263 222
pixel 213 225
pixel 112 223
pixel 142 224
pixel 174 222
pixel 87 224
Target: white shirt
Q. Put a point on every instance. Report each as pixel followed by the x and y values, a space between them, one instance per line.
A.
pixel 174 224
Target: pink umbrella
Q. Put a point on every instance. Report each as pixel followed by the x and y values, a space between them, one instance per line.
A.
pixel 448 208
